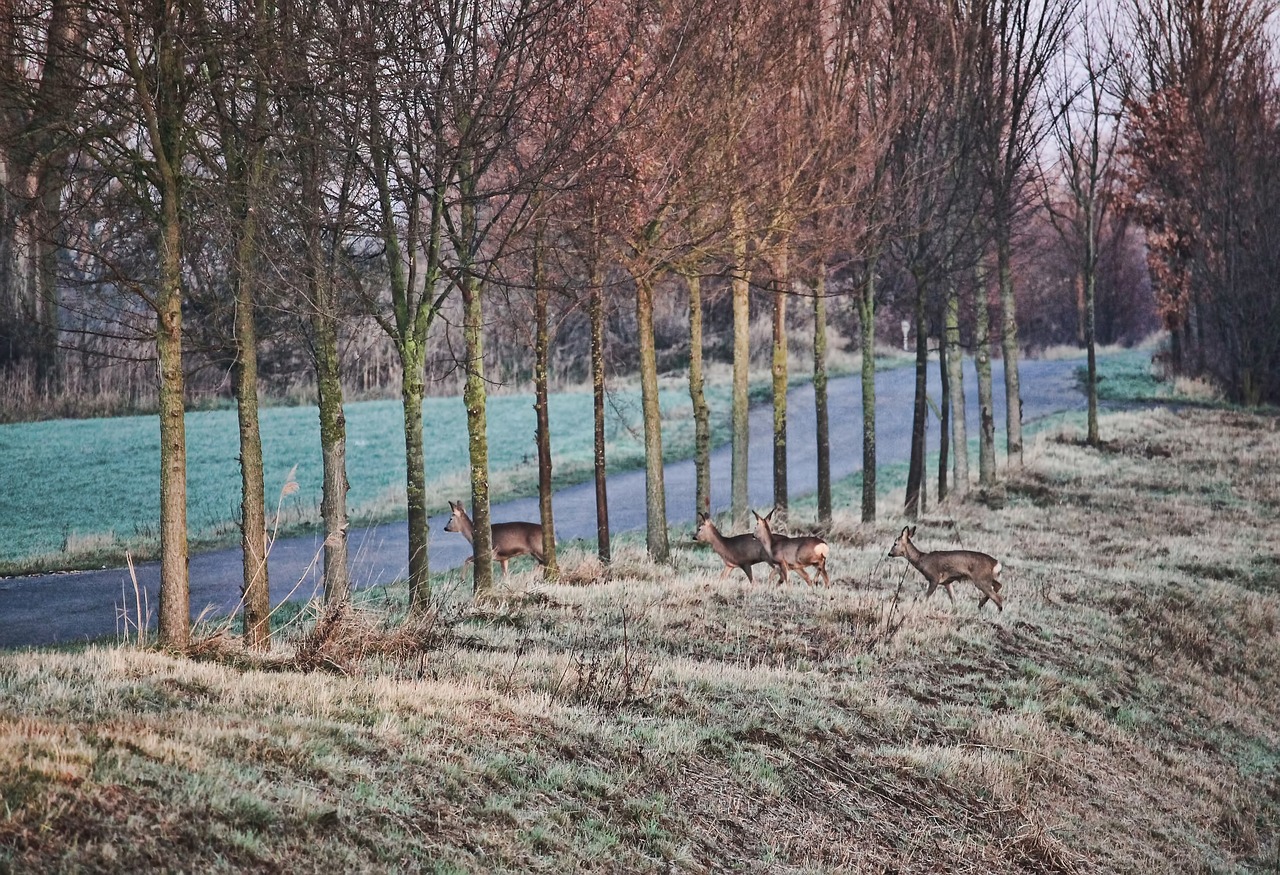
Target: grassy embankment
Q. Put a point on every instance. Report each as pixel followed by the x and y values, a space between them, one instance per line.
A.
pixel 1119 716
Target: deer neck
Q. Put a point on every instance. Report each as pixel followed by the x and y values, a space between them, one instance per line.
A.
pixel 914 555
pixel 765 536
pixel 714 538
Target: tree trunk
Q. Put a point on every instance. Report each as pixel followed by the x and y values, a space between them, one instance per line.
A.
pixel 955 366
pixel 781 289
pixel 1090 286
pixel 982 363
pixel 327 362
pixel 598 411
pixel 46 280
pixel 914 506
pixel 1009 347
pixel 821 419
pixel 655 490
pixel 333 449
pixel 256 589
pixel 408 330
pixel 701 411
pixel 867 319
pixel 33 169
pixel 247 178
pixel 550 569
pixel 1094 438
pixel 175 593
pixel 412 386
pixel 944 421
pixel 473 397
pixel 166 123
pixel 1082 332
pixel 740 496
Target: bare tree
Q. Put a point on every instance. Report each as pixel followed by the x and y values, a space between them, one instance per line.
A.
pixel 148 43
pixel 1087 133
pixel 1016 43
pixel 1202 156
pixel 41 89
pixel 238 58
pixel 319 127
pixel 410 177
pixel 651 209
pixel 541 367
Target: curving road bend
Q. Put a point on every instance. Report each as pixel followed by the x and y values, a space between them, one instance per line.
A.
pixel 70 607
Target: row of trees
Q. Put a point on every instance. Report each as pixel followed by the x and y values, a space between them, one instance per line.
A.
pixel 188 179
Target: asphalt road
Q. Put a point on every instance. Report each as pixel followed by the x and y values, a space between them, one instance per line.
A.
pixel 74 606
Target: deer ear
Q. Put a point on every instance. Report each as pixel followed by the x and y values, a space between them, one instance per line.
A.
pixel 912 533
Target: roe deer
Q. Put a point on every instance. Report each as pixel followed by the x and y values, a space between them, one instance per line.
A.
pixel 794 553
pixel 509 539
pixel 737 551
pixel 945 567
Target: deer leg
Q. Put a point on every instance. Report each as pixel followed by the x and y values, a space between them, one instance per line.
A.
pixel 746 569
pixel 989 592
pixel 822 569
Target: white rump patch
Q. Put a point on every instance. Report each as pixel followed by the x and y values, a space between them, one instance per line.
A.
pixel 995 572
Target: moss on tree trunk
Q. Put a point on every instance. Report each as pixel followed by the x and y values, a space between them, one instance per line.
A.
pixel 598 411
pixel 779 374
pixel 955 365
pixel 1009 348
pixel 739 468
pixel 698 398
pixel 542 342
pixel 175 596
pixel 655 490
pixel 982 363
pixel 473 397
pixel 867 318
pixel 822 425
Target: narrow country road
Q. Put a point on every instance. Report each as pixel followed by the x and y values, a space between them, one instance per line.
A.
pixel 61 608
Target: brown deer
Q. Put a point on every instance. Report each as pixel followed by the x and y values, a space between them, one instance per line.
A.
pixel 509 539
pixel 945 567
pixel 789 553
pixel 737 551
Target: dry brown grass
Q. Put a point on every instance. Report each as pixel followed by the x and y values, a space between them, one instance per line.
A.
pixel 1119 716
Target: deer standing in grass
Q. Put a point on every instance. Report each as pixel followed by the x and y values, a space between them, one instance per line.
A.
pixel 509 539
pixel 789 553
pixel 737 551
pixel 945 567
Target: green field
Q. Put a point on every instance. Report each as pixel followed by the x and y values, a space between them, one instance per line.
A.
pixel 75 492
